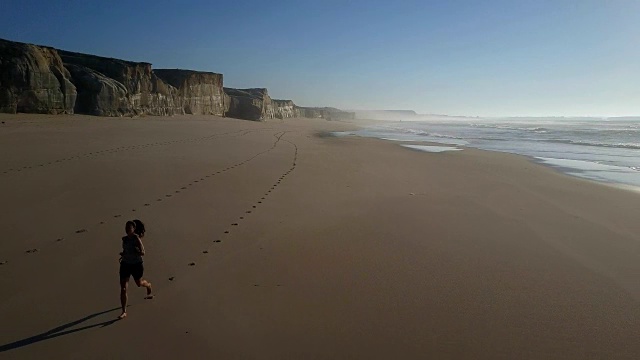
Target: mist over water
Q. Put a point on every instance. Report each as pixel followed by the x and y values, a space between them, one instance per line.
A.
pixel 606 150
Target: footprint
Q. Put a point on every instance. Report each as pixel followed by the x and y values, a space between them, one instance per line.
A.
pixel 234 224
pixel 254 206
pixel 205 251
pixel 59 239
pixel 217 241
pixel 101 222
pixel 183 188
pixel 147 204
pixel 248 211
pixel 241 217
pixel 260 202
pixel 31 251
pixel 226 231
pixel 3 262
pixel 133 210
pixel 177 191
pixel 81 231
pixel 171 278
pixel 116 216
pixel 192 264
pixel 168 195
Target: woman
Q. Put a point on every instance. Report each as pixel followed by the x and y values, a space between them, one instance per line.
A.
pixel 131 263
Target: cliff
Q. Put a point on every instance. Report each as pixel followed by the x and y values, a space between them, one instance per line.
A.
pixel 39 79
pixel 248 104
pixel 34 80
pixel 256 104
pixel 197 92
pixel 284 109
pixel 327 113
pixel 114 87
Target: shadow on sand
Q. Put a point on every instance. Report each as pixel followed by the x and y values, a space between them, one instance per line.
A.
pixel 60 331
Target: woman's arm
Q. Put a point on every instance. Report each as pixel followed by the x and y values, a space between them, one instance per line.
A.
pixel 140 246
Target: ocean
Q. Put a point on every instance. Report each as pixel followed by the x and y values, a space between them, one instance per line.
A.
pixel 600 149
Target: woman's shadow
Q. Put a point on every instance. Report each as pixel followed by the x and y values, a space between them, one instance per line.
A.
pixel 60 331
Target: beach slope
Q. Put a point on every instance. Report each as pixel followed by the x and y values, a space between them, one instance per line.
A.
pixel 271 240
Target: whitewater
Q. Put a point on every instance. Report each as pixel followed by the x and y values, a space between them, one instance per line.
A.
pixel 600 149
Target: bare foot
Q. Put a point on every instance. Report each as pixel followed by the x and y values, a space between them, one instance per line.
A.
pixel 149 294
pixel 122 316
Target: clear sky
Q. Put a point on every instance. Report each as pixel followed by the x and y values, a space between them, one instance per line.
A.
pixel 486 58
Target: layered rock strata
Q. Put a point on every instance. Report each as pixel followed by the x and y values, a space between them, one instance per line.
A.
pixel 39 79
pixel 197 92
pixel 114 87
pixel 327 113
pixel 284 109
pixel 250 104
pixel 34 80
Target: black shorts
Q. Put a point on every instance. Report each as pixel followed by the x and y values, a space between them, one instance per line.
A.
pixel 127 270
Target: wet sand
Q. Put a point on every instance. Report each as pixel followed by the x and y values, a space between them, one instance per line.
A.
pixel 271 241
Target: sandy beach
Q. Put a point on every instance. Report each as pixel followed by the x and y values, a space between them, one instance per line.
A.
pixel 304 246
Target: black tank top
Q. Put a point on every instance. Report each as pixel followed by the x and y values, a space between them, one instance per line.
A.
pixel 130 254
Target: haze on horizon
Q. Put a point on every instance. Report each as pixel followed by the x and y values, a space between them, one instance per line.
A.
pixel 491 59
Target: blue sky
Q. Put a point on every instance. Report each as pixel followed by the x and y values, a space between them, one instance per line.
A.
pixel 486 58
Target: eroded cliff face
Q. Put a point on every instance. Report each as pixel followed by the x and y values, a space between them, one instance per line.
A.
pixel 38 79
pixel 256 104
pixel 34 80
pixel 284 109
pixel 249 104
pixel 115 87
pixel 197 92
pixel 327 113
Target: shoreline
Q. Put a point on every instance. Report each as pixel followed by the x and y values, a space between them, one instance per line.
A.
pixel 562 170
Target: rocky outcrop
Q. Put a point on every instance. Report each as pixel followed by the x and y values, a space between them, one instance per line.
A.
pixel 327 113
pixel 115 87
pixel 337 114
pixel 98 94
pixel 38 79
pixel 284 109
pixel 197 92
pixel 256 104
pixel 249 104
pixel 34 80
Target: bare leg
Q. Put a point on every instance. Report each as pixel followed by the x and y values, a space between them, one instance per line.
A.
pixel 123 297
pixel 146 284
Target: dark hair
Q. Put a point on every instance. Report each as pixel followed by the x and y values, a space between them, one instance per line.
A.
pixel 139 227
pixel 130 223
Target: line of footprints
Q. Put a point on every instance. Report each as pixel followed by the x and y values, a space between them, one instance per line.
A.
pixel 278 137
pixel 255 206
pixel 95 154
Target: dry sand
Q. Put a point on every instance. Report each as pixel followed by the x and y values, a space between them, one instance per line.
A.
pixel 356 249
